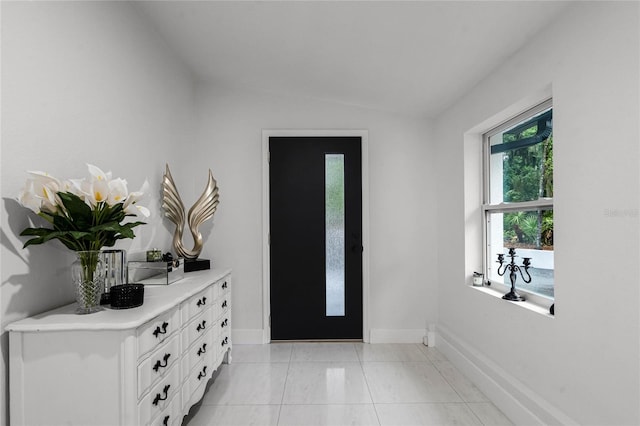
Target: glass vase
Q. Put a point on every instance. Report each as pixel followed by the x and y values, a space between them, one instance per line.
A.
pixel 115 272
pixel 87 273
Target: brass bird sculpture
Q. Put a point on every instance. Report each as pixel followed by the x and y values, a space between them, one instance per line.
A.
pixel 202 210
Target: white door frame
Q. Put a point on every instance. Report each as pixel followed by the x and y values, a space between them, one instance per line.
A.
pixel 266 260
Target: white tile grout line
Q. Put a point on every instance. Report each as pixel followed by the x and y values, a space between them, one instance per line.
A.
pixel 284 388
pixel 375 409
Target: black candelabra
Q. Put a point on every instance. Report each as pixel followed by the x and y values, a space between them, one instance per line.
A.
pixel 513 268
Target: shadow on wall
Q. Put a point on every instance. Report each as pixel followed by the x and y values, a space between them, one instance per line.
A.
pixel 45 284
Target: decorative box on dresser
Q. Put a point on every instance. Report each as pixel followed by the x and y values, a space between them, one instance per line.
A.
pixel 140 366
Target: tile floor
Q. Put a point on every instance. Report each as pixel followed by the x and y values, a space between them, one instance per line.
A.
pixel 341 384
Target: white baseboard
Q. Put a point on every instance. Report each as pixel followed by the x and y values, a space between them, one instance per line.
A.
pixel 516 400
pixel 246 336
pixel 380 335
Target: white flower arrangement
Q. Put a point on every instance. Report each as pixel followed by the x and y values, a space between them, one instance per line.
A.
pixel 85 214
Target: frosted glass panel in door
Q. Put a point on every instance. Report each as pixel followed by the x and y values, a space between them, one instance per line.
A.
pixel 334 225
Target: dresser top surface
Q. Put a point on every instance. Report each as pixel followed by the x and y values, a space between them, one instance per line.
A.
pixel 157 300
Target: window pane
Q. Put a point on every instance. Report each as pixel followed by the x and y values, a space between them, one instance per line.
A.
pixel 334 226
pixel 531 234
pixel 521 161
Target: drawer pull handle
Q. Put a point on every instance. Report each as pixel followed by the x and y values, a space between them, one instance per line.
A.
pixel 203 349
pixel 224 284
pixel 159 364
pixel 224 304
pixel 159 398
pixel 161 330
pixel 165 421
pixel 225 341
pixel 203 373
pixel 224 323
pixel 201 302
pixel 201 326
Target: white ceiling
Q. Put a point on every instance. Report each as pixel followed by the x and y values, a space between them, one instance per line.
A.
pixel 414 57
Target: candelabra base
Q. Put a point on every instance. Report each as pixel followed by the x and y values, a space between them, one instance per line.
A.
pixel 513 296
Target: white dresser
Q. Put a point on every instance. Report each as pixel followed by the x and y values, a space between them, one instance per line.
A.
pixel 140 366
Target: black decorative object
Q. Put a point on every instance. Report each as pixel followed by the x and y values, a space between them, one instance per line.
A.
pixel 513 268
pixel 203 373
pixel 159 364
pixel 159 397
pixel 126 296
pixel 191 265
pixel 161 330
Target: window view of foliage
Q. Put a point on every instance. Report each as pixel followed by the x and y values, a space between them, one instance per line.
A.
pixel 528 175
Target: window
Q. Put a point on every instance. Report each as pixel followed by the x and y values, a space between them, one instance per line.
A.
pixel 518 200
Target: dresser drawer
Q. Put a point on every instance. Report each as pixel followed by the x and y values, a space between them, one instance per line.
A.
pixel 220 287
pixel 172 415
pixel 160 397
pixel 223 343
pixel 193 388
pixel 198 327
pixel 224 286
pixel 196 304
pixel 151 334
pixel 223 304
pixel 158 363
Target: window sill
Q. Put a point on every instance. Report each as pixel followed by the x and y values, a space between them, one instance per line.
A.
pixel 527 304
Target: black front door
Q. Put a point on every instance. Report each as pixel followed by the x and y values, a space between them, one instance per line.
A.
pixel 315 196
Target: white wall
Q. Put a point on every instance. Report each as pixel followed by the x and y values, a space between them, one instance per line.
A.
pixel 87 82
pixel 402 202
pixel 583 365
pixel 82 82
